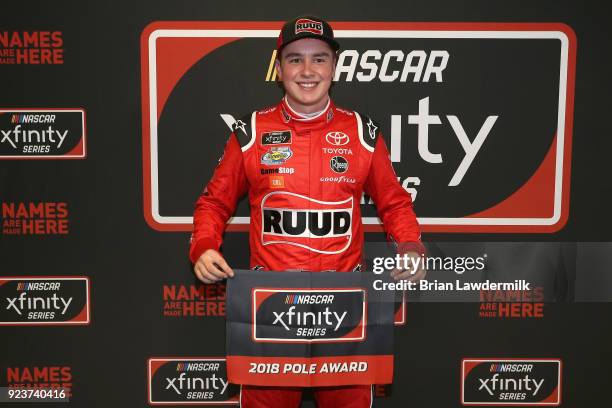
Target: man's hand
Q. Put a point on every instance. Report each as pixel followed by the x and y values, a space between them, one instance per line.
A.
pixel 411 274
pixel 211 267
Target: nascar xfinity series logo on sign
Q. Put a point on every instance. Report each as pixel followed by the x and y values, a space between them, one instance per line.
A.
pixel 309 315
pixel 45 134
pixel 200 381
pixel 512 382
pixel 320 226
pixel 44 301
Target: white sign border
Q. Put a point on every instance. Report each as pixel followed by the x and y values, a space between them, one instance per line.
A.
pixel 451 34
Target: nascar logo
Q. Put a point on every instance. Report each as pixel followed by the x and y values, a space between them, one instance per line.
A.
pixel 307 299
pixel 29 118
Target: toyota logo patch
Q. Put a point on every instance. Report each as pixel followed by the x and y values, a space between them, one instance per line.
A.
pixel 337 138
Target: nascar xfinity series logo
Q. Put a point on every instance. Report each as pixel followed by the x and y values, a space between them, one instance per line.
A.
pixel 276 137
pixel 294 219
pixel 201 381
pixel 37 133
pixel 511 382
pixel 309 315
pixel 44 301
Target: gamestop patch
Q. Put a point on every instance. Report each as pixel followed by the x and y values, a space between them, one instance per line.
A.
pixel 44 301
pixel 513 382
pixel 200 381
pixel 321 226
pixel 322 315
pixel 43 134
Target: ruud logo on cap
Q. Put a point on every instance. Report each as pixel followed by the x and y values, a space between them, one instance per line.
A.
pixel 310 26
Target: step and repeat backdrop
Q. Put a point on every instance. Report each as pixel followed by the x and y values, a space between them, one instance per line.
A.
pixel 113 118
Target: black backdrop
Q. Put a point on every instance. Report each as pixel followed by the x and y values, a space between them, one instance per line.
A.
pixel 129 263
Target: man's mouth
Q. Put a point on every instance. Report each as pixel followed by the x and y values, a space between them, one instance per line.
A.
pixel 307 85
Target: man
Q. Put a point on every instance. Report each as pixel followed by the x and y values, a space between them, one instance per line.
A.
pixel 304 163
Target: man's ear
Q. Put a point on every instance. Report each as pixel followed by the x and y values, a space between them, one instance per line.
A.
pixel 277 66
pixel 335 62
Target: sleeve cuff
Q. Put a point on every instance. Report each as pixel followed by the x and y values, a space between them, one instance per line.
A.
pixel 200 246
pixel 416 246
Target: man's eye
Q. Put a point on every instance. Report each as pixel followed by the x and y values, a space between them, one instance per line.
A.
pixel 294 60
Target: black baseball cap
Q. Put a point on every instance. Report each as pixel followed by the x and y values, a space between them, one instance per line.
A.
pixel 306 27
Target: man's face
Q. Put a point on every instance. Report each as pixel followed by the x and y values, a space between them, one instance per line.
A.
pixel 306 69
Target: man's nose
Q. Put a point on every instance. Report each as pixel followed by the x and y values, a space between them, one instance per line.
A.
pixel 307 69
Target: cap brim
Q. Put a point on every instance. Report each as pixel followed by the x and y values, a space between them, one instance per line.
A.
pixel 332 43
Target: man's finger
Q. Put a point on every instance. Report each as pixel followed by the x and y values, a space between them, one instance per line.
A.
pixel 221 264
pixel 407 275
pixel 213 269
pixel 400 272
pixel 226 268
pixel 205 272
pixel 417 276
pixel 402 276
pixel 200 275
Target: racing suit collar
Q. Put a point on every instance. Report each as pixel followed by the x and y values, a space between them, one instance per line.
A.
pixel 289 115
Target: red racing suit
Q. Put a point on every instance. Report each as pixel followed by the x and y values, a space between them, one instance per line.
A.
pixel 305 179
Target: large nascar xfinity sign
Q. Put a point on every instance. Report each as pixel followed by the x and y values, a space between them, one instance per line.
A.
pixel 477 117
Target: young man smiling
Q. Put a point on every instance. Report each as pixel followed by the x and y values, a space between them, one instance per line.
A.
pixel 306 67
pixel 305 164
